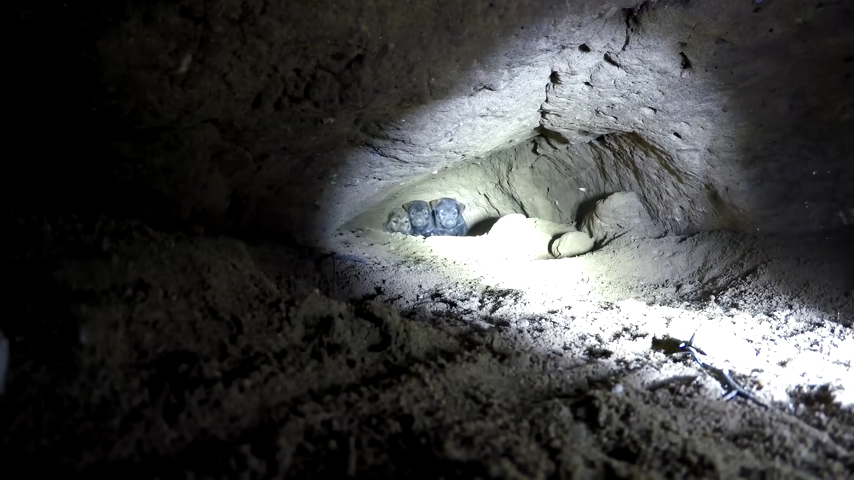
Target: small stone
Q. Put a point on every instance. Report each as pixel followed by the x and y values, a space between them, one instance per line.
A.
pixel 571 244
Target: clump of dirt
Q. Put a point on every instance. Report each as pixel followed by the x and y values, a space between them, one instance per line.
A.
pixel 140 353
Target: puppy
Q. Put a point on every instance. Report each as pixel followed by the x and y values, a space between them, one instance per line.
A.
pixel 449 219
pixel 420 218
pixel 398 222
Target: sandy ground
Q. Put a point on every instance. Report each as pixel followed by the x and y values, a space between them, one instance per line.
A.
pixel 144 354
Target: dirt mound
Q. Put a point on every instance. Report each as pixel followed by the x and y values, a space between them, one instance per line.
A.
pixel 144 354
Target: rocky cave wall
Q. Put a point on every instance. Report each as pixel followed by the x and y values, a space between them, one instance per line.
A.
pixel 293 118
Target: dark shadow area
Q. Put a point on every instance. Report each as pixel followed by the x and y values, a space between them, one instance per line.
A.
pixel 586 207
pixel 795 153
pixel 163 353
pixel 169 112
pixel 482 227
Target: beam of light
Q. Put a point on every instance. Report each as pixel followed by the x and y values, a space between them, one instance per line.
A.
pixel 781 351
pixel 614 136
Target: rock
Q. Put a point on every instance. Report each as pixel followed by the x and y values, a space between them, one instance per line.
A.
pixel 516 236
pixel 507 225
pixel 619 214
pixel 571 244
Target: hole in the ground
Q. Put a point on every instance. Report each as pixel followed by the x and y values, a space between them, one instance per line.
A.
pixel 686 62
pixel 520 340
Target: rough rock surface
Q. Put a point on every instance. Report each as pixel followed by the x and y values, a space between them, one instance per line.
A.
pixel 292 118
pixel 571 244
pixel 139 354
pixel 518 237
pixel 620 213
pixel 157 349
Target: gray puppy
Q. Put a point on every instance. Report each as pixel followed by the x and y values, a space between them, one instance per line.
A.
pixel 420 217
pixel 449 219
pixel 398 222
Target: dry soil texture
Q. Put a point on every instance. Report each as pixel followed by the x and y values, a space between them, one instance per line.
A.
pixel 141 354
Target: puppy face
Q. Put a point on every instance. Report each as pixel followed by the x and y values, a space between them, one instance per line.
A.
pixel 398 221
pixel 419 213
pixel 447 211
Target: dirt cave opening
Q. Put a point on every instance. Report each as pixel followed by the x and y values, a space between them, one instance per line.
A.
pixel 656 278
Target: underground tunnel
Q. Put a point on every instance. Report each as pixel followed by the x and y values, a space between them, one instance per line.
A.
pixel 656 278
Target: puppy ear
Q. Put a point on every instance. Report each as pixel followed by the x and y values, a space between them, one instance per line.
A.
pixel 434 203
pixel 461 206
pixel 407 205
